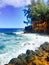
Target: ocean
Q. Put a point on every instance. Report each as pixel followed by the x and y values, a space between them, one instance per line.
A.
pixel 14 42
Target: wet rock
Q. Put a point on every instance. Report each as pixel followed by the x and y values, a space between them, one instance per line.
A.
pixel 22 56
pixel 13 61
pixel 29 58
pixel 38 57
pixel 28 29
pixel 28 52
pixel 30 55
pixel 45 47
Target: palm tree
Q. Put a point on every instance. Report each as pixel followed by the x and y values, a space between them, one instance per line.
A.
pixel 37 12
pixel 26 22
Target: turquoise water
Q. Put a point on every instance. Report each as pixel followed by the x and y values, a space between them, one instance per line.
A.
pixel 9 41
pixel 13 44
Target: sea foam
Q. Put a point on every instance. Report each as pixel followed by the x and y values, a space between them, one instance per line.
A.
pixel 19 44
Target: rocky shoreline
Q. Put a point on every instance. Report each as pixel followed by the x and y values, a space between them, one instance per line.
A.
pixel 37 27
pixel 37 57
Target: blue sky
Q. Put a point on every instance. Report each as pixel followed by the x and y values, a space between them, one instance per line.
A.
pixel 11 17
pixel 11 14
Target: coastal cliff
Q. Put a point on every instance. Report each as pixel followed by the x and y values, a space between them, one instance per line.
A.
pixel 38 27
pixel 37 57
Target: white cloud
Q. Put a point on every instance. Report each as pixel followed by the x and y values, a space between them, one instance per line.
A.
pixel 2 3
pixel 15 3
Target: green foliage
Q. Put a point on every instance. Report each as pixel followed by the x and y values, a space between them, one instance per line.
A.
pixel 37 11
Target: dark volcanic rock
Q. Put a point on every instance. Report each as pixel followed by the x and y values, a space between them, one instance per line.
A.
pixel 45 47
pixel 17 61
pixel 13 61
pixel 38 57
pixel 29 52
pixel 28 29
pixel 22 56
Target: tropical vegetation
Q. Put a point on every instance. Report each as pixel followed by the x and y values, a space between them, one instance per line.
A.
pixel 37 11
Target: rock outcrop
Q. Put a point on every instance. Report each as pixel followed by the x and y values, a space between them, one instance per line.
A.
pixel 37 57
pixel 38 27
pixel 28 29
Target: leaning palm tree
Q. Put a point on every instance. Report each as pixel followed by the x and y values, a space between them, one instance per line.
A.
pixel 26 22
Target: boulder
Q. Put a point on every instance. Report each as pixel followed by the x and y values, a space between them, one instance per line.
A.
pixel 28 29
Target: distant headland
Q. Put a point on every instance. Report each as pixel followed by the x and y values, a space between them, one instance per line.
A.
pixel 37 15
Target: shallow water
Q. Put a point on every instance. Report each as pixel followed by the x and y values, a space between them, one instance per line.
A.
pixel 11 45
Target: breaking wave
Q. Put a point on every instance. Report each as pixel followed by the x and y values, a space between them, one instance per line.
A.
pixel 13 44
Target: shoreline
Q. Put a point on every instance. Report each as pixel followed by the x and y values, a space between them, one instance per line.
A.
pixel 33 57
pixel 27 41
